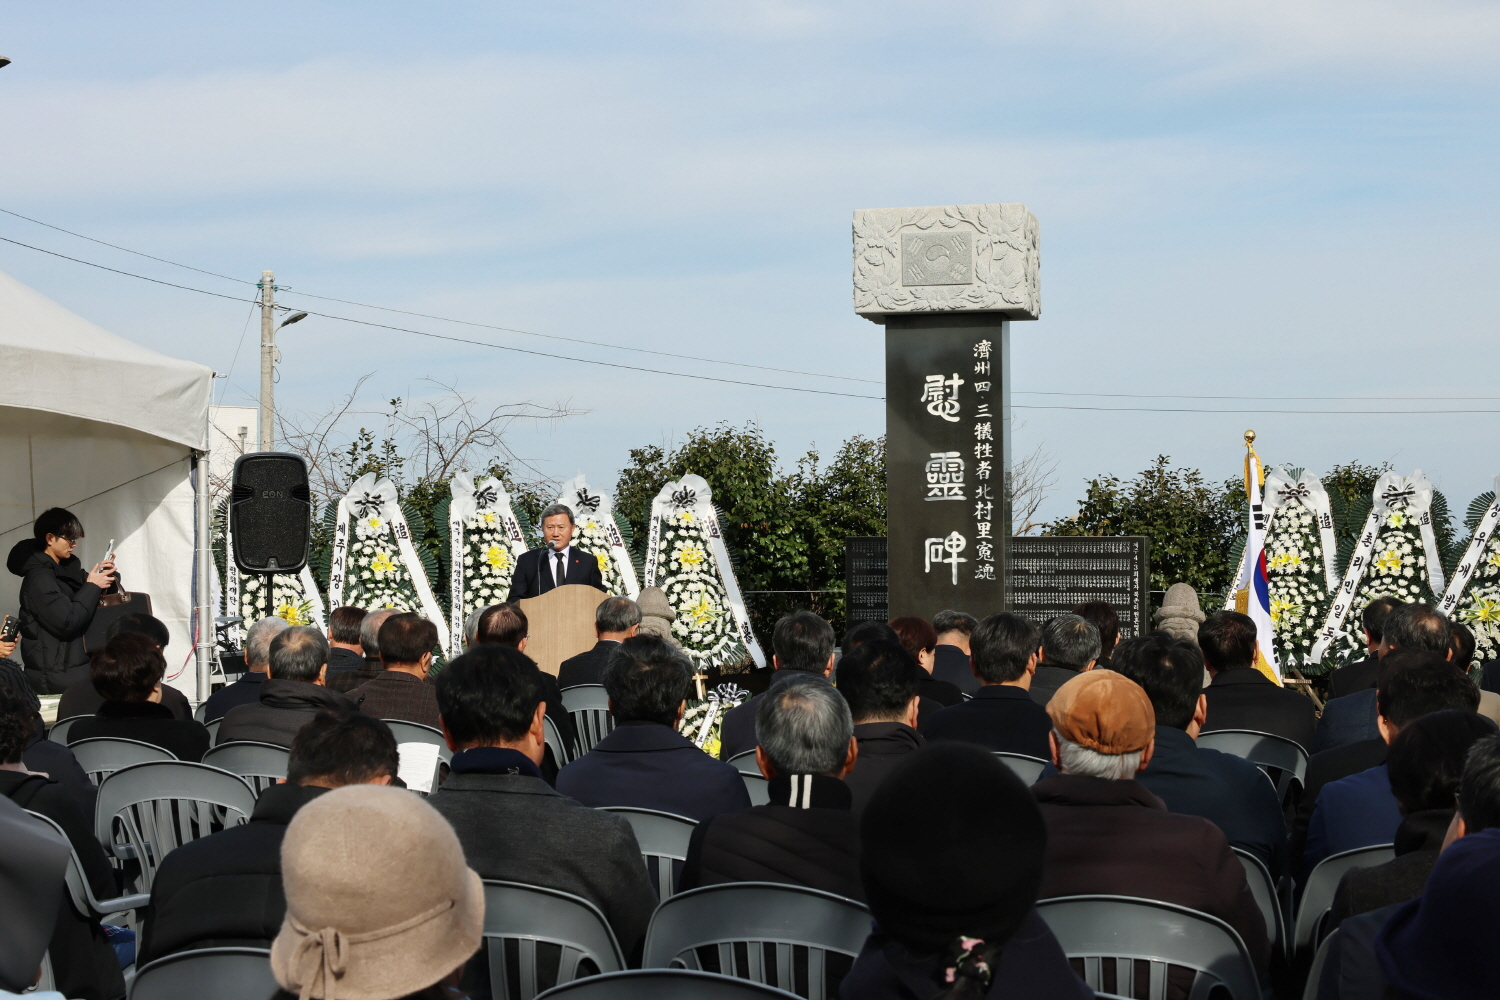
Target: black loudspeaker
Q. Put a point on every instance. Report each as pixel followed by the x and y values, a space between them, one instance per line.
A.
pixel 270 513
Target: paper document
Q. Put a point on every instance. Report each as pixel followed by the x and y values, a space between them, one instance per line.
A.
pixel 419 762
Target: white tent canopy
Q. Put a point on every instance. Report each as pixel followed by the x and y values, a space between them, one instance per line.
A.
pixel 108 429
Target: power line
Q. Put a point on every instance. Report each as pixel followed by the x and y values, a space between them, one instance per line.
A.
pixel 128 274
pixel 115 246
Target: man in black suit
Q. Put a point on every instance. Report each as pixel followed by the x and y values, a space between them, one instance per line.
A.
pixel 803 644
pixel 615 620
pixel 1001 716
pixel 1361 674
pixel 1070 646
pixel 951 658
pixel 560 562
pixel 1242 697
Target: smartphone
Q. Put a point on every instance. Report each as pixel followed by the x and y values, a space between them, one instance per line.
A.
pixel 10 629
pixel 109 551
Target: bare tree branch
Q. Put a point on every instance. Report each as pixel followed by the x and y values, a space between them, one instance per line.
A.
pixel 1027 483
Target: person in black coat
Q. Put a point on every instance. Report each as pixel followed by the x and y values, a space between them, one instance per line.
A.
pixel 41 754
pixel 81 699
pixel 644 761
pixel 1229 791
pixel 880 681
pixel 806 835
pixel 1361 674
pixel 615 620
pixel 802 643
pixel 292 695
pixel 952 851
pixel 951 657
pixel 1001 716
pixel 246 690
pixel 128 672
pixel 1242 697
pixel 556 564
pixel 225 889
pixel 1070 646
pixel 83 962
pixel 919 638
pixel 352 675
pixel 58 600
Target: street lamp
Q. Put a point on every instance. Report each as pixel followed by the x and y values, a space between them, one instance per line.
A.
pixel 295 317
pixel 4 62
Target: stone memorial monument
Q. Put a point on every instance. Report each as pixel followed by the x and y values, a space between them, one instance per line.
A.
pixel 946 283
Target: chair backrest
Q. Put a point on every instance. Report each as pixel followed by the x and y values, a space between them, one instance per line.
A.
pixel 588 706
pixel 765 922
pixel 745 763
pixel 554 739
pixel 200 714
pixel 415 732
pixel 261 764
pixel 146 810
pixel 1028 769
pixel 1283 760
pixel 80 892
pixel 1263 888
pixel 663 838
pixel 1320 959
pixel 519 917
pixel 758 787
pixel 58 732
pixel 665 984
pixel 1317 894
pixel 100 757
pixel 1123 930
pixel 207 974
pixel 213 730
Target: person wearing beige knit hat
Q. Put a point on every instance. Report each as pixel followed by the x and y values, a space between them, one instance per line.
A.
pixel 1106 834
pixel 379 902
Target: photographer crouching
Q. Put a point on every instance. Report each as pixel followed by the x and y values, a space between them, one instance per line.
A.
pixel 58 601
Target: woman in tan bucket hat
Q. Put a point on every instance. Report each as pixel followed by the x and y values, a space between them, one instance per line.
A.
pixel 379 902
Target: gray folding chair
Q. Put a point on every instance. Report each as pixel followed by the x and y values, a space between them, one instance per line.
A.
pixel 261 764
pixel 146 810
pixel 588 706
pixel 663 838
pixel 745 763
pixel 201 712
pixel 1320 959
pixel 1283 760
pixel 101 757
pixel 415 732
pixel 1263 888
pixel 213 730
pixel 1120 931
pixel 665 984
pixel 58 733
pixel 758 787
pixel 554 739
pixel 82 893
pixel 776 928
pixel 1028 769
pixel 1317 894
pixel 207 974
pixel 518 918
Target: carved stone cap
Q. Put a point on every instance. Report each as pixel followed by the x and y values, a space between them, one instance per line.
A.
pixel 955 258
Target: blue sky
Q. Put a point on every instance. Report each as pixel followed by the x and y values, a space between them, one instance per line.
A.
pixel 1275 198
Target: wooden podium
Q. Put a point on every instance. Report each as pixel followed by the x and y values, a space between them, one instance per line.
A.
pixel 561 624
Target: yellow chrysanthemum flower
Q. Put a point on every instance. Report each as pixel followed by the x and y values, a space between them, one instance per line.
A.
pixel 702 612
pixel 374 523
pixel 686 517
pixel 497 557
pixel 294 614
pixel 382 564
pixel 1484 610
pixel 1389 562
pixel 692 555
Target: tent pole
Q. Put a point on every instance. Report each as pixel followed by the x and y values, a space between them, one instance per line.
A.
pixel 203 572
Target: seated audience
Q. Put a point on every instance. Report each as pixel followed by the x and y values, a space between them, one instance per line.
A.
pixel 806 834
pixel 128 672
pixel 225 889
pixel 33 890
pixel 506 625
pixel 379 902
pixel 512 824
pixel 1001 715
pixel 615 620
pixel 1107 834
pixel 83 963
pixel 1070 646
pixel 919 638
pixel 41 755
pixel 81 699
pixel 802 643
pixel 1462 658
pixel 1361 674
pixel 1102 615
pixel 1425 765
pixel 1360 810
pixel 401 691
pixel 952 847
pixel 246 690
pixel 344 649
pixel 1228 791
pixel 645 762
pixel 880 682
pixel 1241 697
pixel 291 696
pixel 951 657
pixel 351 677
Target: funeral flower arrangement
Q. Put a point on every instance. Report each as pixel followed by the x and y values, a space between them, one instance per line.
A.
pixel 1398 568
pixel 376 576
pixel 591 535
pixel 1476 602
pixel 280 595
pixel 1299 569
pixel 488 540
pixel 596 533
pixel 702 721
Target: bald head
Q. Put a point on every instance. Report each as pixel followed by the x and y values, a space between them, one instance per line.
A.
pixel 299 654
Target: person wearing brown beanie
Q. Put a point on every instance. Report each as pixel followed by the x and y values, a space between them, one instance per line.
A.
pixel 952 845
pixel 379 902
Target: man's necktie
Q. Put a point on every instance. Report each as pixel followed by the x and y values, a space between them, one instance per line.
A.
pixel 561 575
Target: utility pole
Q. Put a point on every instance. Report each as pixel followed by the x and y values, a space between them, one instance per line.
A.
pixel 267 361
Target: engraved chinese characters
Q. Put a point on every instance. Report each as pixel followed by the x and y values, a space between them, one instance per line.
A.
pixel 984 455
